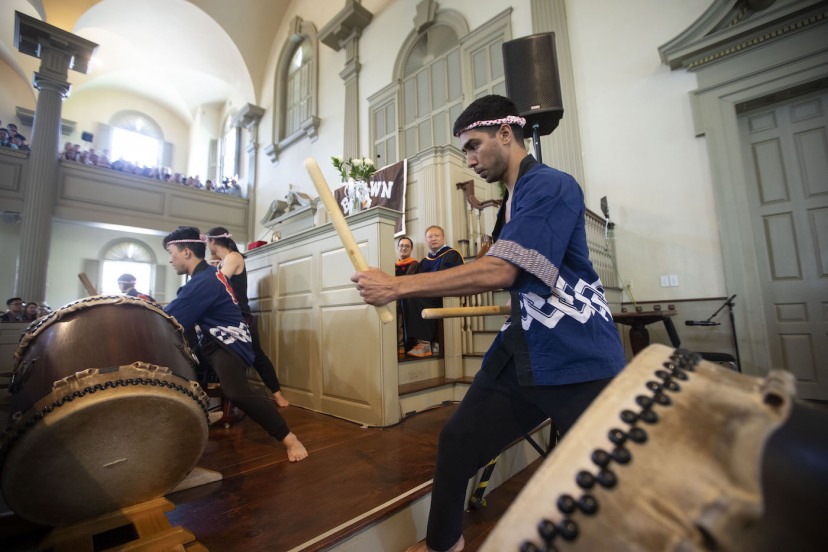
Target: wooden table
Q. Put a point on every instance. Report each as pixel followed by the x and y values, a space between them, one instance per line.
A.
pixel 638 322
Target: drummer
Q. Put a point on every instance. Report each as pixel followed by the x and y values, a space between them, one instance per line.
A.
pixel 559 349
pixel 207 300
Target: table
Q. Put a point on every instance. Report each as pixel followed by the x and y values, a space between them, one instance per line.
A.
pixel 638 322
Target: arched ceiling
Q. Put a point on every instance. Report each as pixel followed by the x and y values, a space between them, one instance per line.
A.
pixel 179 53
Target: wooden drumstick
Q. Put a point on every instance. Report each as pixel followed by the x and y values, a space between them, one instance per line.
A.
pixel 87 285
pixel 341 226
pixel 454 312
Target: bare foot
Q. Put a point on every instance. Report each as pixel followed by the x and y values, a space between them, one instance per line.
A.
pixel 295 450
pixel 423 547
pixel 281 401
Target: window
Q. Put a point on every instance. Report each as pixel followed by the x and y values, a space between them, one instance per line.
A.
pixel 135 148
pixel 297 101
pixel 127 256
pixel 295 89
pixel 440 70
pixel 230 147
pixel 432 92
pixel 136 138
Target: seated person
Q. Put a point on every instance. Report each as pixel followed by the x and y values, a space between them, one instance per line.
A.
pixel 406 264
pixel 126 283
pixel 419 333
pixel 14 312
pixel 32 312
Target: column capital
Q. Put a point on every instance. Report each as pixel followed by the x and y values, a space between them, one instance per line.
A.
pixel 46 81
pixel 248 116
pixel 345 26
pixel 58 50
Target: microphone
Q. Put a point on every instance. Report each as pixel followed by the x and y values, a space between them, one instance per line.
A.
pixel 701 323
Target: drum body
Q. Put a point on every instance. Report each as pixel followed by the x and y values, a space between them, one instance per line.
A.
pixel 668 457
pixel 104 412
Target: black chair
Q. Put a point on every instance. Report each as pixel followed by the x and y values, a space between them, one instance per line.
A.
pixel 724 359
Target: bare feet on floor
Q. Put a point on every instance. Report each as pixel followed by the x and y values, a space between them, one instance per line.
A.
pixel 423 547
pixel 281 401
pixel 295 450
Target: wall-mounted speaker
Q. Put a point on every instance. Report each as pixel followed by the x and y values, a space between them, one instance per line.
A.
pixel 532 82
pixel 87 136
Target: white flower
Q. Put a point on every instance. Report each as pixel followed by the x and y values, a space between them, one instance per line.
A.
pixel 338 158
pixel 369 162
pixel 357 162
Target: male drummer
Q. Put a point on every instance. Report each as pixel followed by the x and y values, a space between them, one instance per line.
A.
pixel 207 300
pixel 126 283
pixel 560 347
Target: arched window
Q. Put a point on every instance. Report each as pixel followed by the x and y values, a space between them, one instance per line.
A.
pixel 136 138
pixel 230 150
pixel 296 92
pixel 441 67
pixel 127 256
pixel 432 91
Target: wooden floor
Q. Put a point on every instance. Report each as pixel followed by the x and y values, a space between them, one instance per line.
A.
pixel 354 476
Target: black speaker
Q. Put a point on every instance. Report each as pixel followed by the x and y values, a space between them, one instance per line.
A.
pixel 532 82
pixel 87 136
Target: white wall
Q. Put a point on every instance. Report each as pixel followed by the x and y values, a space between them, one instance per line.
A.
pixel 14 92
pixel 638 142
pixel 92 106
pixel 639 145
pixel 72 243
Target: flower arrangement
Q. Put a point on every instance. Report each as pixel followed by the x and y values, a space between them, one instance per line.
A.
pixel 361 168
pixel 355 173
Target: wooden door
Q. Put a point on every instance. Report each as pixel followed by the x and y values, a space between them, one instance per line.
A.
pixel 786 161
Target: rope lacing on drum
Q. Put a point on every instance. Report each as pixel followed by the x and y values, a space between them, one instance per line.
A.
pixel 13 433
pixel 675 371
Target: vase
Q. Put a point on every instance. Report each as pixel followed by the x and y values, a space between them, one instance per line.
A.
pixel 357 192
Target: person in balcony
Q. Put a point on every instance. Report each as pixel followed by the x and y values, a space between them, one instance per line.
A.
pixel 14 310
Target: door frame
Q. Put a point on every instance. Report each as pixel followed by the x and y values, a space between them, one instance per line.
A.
pixel 715 109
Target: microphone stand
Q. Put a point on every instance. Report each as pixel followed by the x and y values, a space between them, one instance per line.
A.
pixel 729 304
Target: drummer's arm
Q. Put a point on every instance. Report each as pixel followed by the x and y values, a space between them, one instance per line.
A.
pixel 232 264
pixel 187 308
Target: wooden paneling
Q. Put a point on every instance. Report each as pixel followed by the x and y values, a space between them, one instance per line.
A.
pixel 332 353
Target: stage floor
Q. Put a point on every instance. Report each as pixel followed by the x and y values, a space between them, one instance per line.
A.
pixel 354 476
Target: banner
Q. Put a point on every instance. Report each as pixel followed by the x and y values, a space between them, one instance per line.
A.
pixel 386 189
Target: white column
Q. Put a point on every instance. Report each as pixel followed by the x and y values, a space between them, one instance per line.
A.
pixel 562 148
pixel 58 51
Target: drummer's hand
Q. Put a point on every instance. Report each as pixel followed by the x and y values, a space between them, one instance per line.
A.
pixel 375 286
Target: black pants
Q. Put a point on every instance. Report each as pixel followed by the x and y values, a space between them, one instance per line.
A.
pixel 262 363
pixel 231 371
pixel 493 413
pixel 415 327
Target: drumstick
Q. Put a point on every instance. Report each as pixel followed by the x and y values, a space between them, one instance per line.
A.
pixel 341 226
pixel 454 312
pixel 87 285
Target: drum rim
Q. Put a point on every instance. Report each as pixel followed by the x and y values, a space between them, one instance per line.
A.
pixel 147 374
pixel 37 327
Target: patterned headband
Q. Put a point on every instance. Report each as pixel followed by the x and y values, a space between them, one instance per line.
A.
pixel 201 239
pixel 225 235
pixel 510 120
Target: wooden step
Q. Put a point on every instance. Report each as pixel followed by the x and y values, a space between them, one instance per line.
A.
pixel 407 524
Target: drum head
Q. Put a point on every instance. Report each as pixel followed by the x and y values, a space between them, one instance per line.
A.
pixel 103 450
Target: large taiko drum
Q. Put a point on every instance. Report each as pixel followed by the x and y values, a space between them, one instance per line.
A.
pixel 104 411
pixel 679 454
